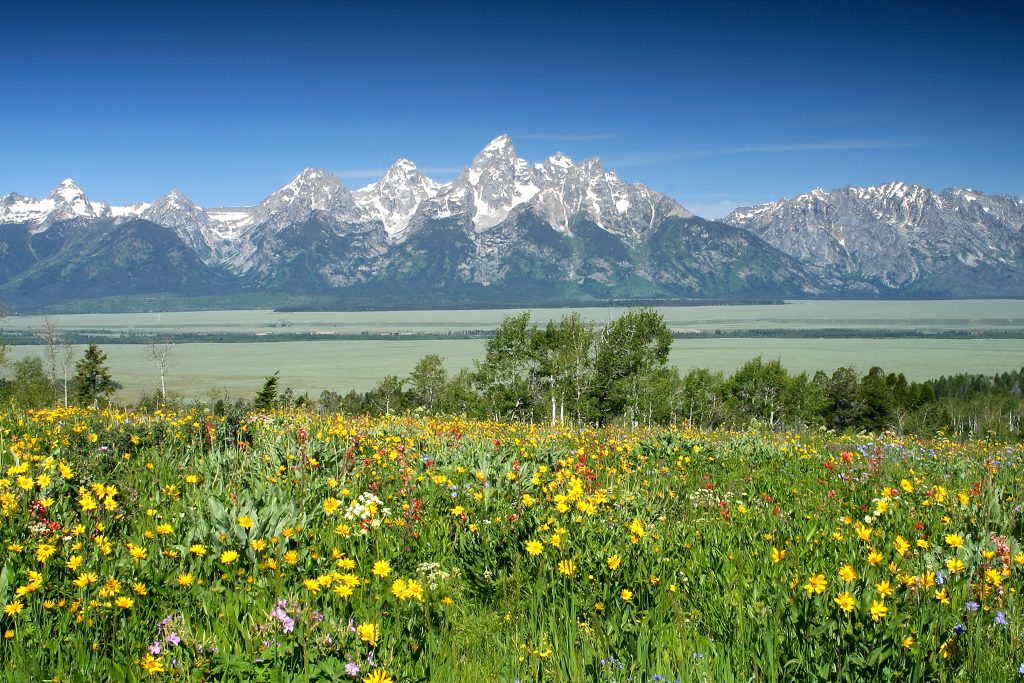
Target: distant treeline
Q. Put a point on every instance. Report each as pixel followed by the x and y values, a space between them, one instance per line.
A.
pixel 569 371
pixel 31 338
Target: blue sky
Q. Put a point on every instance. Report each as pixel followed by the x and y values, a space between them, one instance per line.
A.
pixel 717 107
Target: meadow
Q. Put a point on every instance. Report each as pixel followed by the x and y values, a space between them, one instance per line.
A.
pixel 197 370
pixel 960 314
pixel 289 546
pixel 239 369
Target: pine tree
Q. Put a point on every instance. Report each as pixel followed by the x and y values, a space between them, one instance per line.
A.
pixel 267 398
pixel 92 380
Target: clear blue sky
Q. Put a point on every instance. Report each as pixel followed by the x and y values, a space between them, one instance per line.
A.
pixel 717 107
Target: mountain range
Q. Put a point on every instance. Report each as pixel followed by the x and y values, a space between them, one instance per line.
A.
pixel 506 231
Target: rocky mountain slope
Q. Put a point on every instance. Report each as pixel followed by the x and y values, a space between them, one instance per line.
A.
pixel 509 231
pixel 898 238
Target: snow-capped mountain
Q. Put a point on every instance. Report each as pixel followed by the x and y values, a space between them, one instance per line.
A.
pixel 495 183
pixel 65 202
pixel 498 181
pixel 313 190
pixel 395 198
pixel 897 236
pixel 192 225
pixel 508 230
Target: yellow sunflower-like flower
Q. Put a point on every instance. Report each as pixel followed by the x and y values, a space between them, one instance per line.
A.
pixel 816 584
pixel 845 601
pixel 368 633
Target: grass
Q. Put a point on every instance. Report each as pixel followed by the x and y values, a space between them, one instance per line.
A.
pixel 289 546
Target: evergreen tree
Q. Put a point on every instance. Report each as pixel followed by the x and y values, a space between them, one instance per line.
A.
pixel 92 382
pixel 267 397
pixel 842 393
pixel 876 401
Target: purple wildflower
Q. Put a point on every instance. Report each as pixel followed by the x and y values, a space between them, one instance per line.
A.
pixel 287 623
pixel 1001 618
pixel 173 639
pixel 352 669
pixel 154 649
pixel 972 606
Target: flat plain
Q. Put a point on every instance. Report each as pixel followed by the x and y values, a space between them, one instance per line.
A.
pixel 203 369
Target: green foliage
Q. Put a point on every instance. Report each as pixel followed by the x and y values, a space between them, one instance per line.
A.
pixel 30 386
pixel 507 377
pixel 575 373
pixel 631 351
pixel 92 383
pixel 267 398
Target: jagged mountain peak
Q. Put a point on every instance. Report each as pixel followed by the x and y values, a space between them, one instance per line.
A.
pixel 67 190
pixel 395 198
pixel 314 187
pixel 557 160
pixel 174 198
pixel 499 152
pixel 68 201
pixel 314 190
pixel 309 180
pixel 402 171
pixel 501 144
pixel 592 165
pixel 495 182
pixel 176 211
pixel 404 165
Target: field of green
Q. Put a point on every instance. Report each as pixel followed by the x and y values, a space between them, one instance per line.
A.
pixel 288 547
pixel 202 370
pixel 928 315
pixel 197 369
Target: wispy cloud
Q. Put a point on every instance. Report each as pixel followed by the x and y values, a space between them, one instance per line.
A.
pixel 642 158
pixel 563 137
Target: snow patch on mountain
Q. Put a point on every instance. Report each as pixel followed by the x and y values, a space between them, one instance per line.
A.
pixel 395 198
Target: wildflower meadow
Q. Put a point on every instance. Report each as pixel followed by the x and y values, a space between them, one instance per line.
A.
pixel 292 546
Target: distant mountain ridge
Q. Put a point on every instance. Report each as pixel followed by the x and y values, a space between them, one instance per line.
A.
pixel 508 230
pixel 899 238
